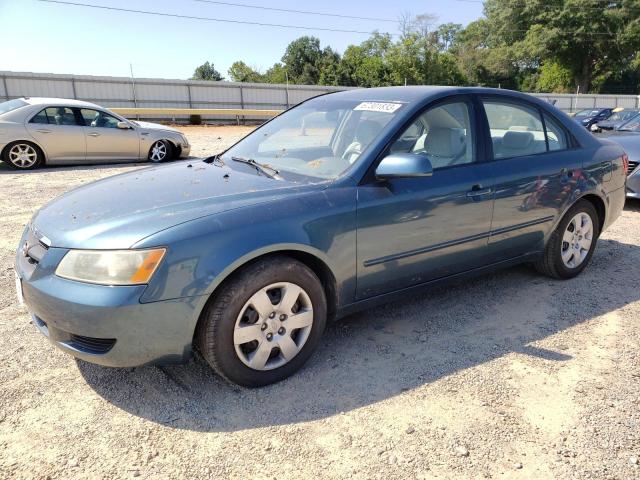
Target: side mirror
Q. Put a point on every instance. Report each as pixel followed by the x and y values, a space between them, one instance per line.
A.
pixel 404 165
pixel 124 125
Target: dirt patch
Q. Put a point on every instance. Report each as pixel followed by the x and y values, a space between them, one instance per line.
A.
pixel 510 375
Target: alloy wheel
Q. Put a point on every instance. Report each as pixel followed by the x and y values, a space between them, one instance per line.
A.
pixel 23 155
pixel 273 326
pixel 158 151
pixel 577 240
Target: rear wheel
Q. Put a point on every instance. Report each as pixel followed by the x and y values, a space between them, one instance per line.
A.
pixel 572 244
pixel 160 151
pixel 265 323
pixel 23 155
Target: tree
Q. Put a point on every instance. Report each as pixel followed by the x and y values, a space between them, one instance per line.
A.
pixel 207 71
pixel 276 74
pixel 301 59
pixel 591 39
pixel 241 72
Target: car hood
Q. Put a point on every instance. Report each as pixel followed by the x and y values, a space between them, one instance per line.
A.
pixel 119 211
pixel 156 126
pixel 629 141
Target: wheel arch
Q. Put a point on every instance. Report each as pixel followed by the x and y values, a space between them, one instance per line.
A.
pixel 305 256
pixel 600 206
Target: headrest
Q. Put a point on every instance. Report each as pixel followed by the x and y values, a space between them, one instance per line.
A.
pixel 444 142
pixel 517 140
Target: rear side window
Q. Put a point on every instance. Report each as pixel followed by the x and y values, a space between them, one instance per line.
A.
pixel 516 129
pixel 55 116
pixel 557 136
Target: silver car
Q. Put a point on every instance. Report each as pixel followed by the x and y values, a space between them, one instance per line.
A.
pixel 35 131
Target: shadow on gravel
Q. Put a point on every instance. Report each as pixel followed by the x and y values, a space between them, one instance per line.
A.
pixel 379 353
pixel 6 170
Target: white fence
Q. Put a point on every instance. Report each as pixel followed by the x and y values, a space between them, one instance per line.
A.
pixel 160 93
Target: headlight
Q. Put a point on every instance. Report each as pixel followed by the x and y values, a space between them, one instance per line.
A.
pixel 184 140
pixel 110 267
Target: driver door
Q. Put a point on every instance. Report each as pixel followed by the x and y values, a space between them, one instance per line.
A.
pixel 413 230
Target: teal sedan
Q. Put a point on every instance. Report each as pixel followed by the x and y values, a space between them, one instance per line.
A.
pixel 346 201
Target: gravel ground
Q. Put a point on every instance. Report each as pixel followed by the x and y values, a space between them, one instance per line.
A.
pixel 511 375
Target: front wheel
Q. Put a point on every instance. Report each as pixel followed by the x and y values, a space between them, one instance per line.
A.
pixel 265 323
pixel 160 151
pixel 571 246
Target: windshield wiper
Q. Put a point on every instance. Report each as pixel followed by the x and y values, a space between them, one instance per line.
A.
pixel 260 167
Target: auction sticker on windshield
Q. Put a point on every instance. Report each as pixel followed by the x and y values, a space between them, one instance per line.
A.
pixel 379 107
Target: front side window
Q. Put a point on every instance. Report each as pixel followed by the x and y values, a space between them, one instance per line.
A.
pixel 98 119
pixel 55 116
pixel 319 138
pixel 516 129
pixel 442 133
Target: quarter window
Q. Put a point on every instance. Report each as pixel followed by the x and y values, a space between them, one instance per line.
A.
pixel 442 133
pixel 55 116
pixel 556 135
pixel 98 119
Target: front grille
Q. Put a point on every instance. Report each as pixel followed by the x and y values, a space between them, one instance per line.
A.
pixel 91 345
pixel 632 167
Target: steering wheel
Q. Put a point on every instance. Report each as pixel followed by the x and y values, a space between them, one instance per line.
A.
pixel 353 148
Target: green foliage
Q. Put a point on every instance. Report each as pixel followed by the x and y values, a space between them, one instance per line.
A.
pixel 530 45
pixel 195 120
pixel 207 71
pixel 241 72
pixel 554 78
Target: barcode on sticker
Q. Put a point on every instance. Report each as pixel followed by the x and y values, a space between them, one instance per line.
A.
pixel 378 107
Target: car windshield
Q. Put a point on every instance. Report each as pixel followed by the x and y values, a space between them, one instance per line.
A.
pixel 623 115
pixel 320 138
pixel 632 125
pixel 10 105
pixel 587 113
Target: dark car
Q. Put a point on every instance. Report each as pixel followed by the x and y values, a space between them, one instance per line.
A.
pixel 346 201
pixel 590 116
pixel 616 120
pixel 628 137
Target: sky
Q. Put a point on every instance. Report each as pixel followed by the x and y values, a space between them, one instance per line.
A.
pixel 58 38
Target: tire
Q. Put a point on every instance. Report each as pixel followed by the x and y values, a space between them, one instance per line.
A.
pixel 23 155
pixel 552 263
pixel 160 151
pixel 232 309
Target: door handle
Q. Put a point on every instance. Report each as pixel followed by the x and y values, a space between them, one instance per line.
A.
pixel 477 191
pixel 42 130
pixel 93 134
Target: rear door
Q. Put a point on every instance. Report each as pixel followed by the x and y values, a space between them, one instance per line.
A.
pixel 537 175
pixel 58 132
pixel 412 230
pixel 105 141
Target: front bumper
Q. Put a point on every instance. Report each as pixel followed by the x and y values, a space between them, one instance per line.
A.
pixel 185 150
pixel 633 184
pixel 102 324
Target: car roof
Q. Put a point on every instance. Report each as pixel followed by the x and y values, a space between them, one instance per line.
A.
pixel 411 94
pixel 58 101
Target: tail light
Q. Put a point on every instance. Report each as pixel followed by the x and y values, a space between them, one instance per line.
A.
pixel 625 162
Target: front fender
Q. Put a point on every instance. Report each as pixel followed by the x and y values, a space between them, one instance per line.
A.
pixel 202 253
